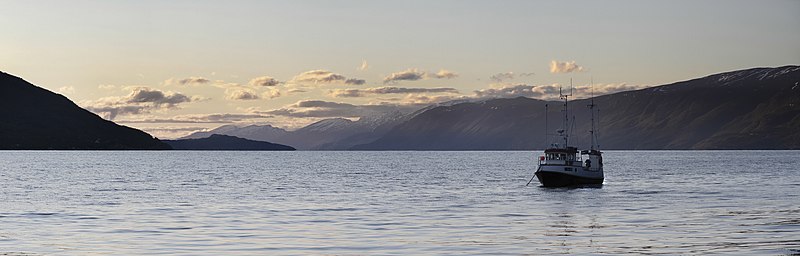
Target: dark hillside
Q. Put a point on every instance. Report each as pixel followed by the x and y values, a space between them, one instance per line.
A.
pixel 34 118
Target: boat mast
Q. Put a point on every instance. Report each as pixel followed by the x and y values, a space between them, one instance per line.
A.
pixel 564 132
pixel 591 109
pixel 546 128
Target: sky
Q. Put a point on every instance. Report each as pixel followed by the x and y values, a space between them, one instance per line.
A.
pixel 175 67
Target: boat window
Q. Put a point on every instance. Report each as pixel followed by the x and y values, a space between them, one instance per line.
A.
pixel 557 156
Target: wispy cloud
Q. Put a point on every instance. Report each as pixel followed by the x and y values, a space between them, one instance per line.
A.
pixel 551 91
pixel 501 77
pixel 172 132
pixel 240 93
pixel 264 81
pixel 170 129
pixel 364 66
pixel 156 97
pixel 318 108
pixel 411 74
pixel 444 74
pixel 271 94
pixel 508 91
pixel 324 77
pixel 112 111
pixel 422 100
pixel 225 85
pixel 354 81
pixel 586 91
pixel 564 67
pixel 387 90
pixel 194 80
pixel 414 74
pixel 66 90
pixel 199 118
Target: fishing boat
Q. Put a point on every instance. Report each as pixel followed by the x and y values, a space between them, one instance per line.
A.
pixel 563 165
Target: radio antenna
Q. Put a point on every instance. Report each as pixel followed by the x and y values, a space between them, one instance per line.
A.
pixel 591 109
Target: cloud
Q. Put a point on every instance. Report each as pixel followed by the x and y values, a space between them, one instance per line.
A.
pixel 200 118
pixel 364 66
pixel 107 86
pixel 225 85
pixel 66 90
pixel 551 91
pixel 500 77
pixel 112 111
pixel 271 94
pixel 174 129
pixel 508 91
pixel 444 74
pixel 172 132
pixel 346 93
pixel 353 81
pixel 156 97
pixel 407 75
pixel 413 74
pixel 324 77
pixel 139 100
pixel 564 67
pixel 416 98
pixel 586 91
pixel 239 93
pixel 318 108
pixel 264 81
pixel 296 91
pixel 422 100
pixel 387 90
pixel 195 80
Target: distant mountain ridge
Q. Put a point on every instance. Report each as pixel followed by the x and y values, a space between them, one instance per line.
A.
pixel 224 142
pixel 34 118
pixel 749 109
pixel 253 132
pixel 326 134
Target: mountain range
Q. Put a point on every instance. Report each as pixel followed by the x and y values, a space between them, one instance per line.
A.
pixel 326 134
pixel 756 108
pixel 748 109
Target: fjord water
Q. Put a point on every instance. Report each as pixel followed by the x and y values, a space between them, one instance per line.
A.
pixel 356 203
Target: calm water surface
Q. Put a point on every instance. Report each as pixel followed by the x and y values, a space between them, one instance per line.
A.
pixel 401 203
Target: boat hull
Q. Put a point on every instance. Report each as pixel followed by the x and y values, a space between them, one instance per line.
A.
pixel 561 179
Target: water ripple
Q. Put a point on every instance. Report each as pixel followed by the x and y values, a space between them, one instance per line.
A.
pixel 393 203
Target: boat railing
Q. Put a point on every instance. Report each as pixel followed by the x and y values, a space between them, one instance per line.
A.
pixel 560 162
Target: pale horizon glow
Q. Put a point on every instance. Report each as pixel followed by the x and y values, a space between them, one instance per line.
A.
pixel 175 67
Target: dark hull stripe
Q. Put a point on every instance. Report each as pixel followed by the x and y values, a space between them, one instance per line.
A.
pixel 557 179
